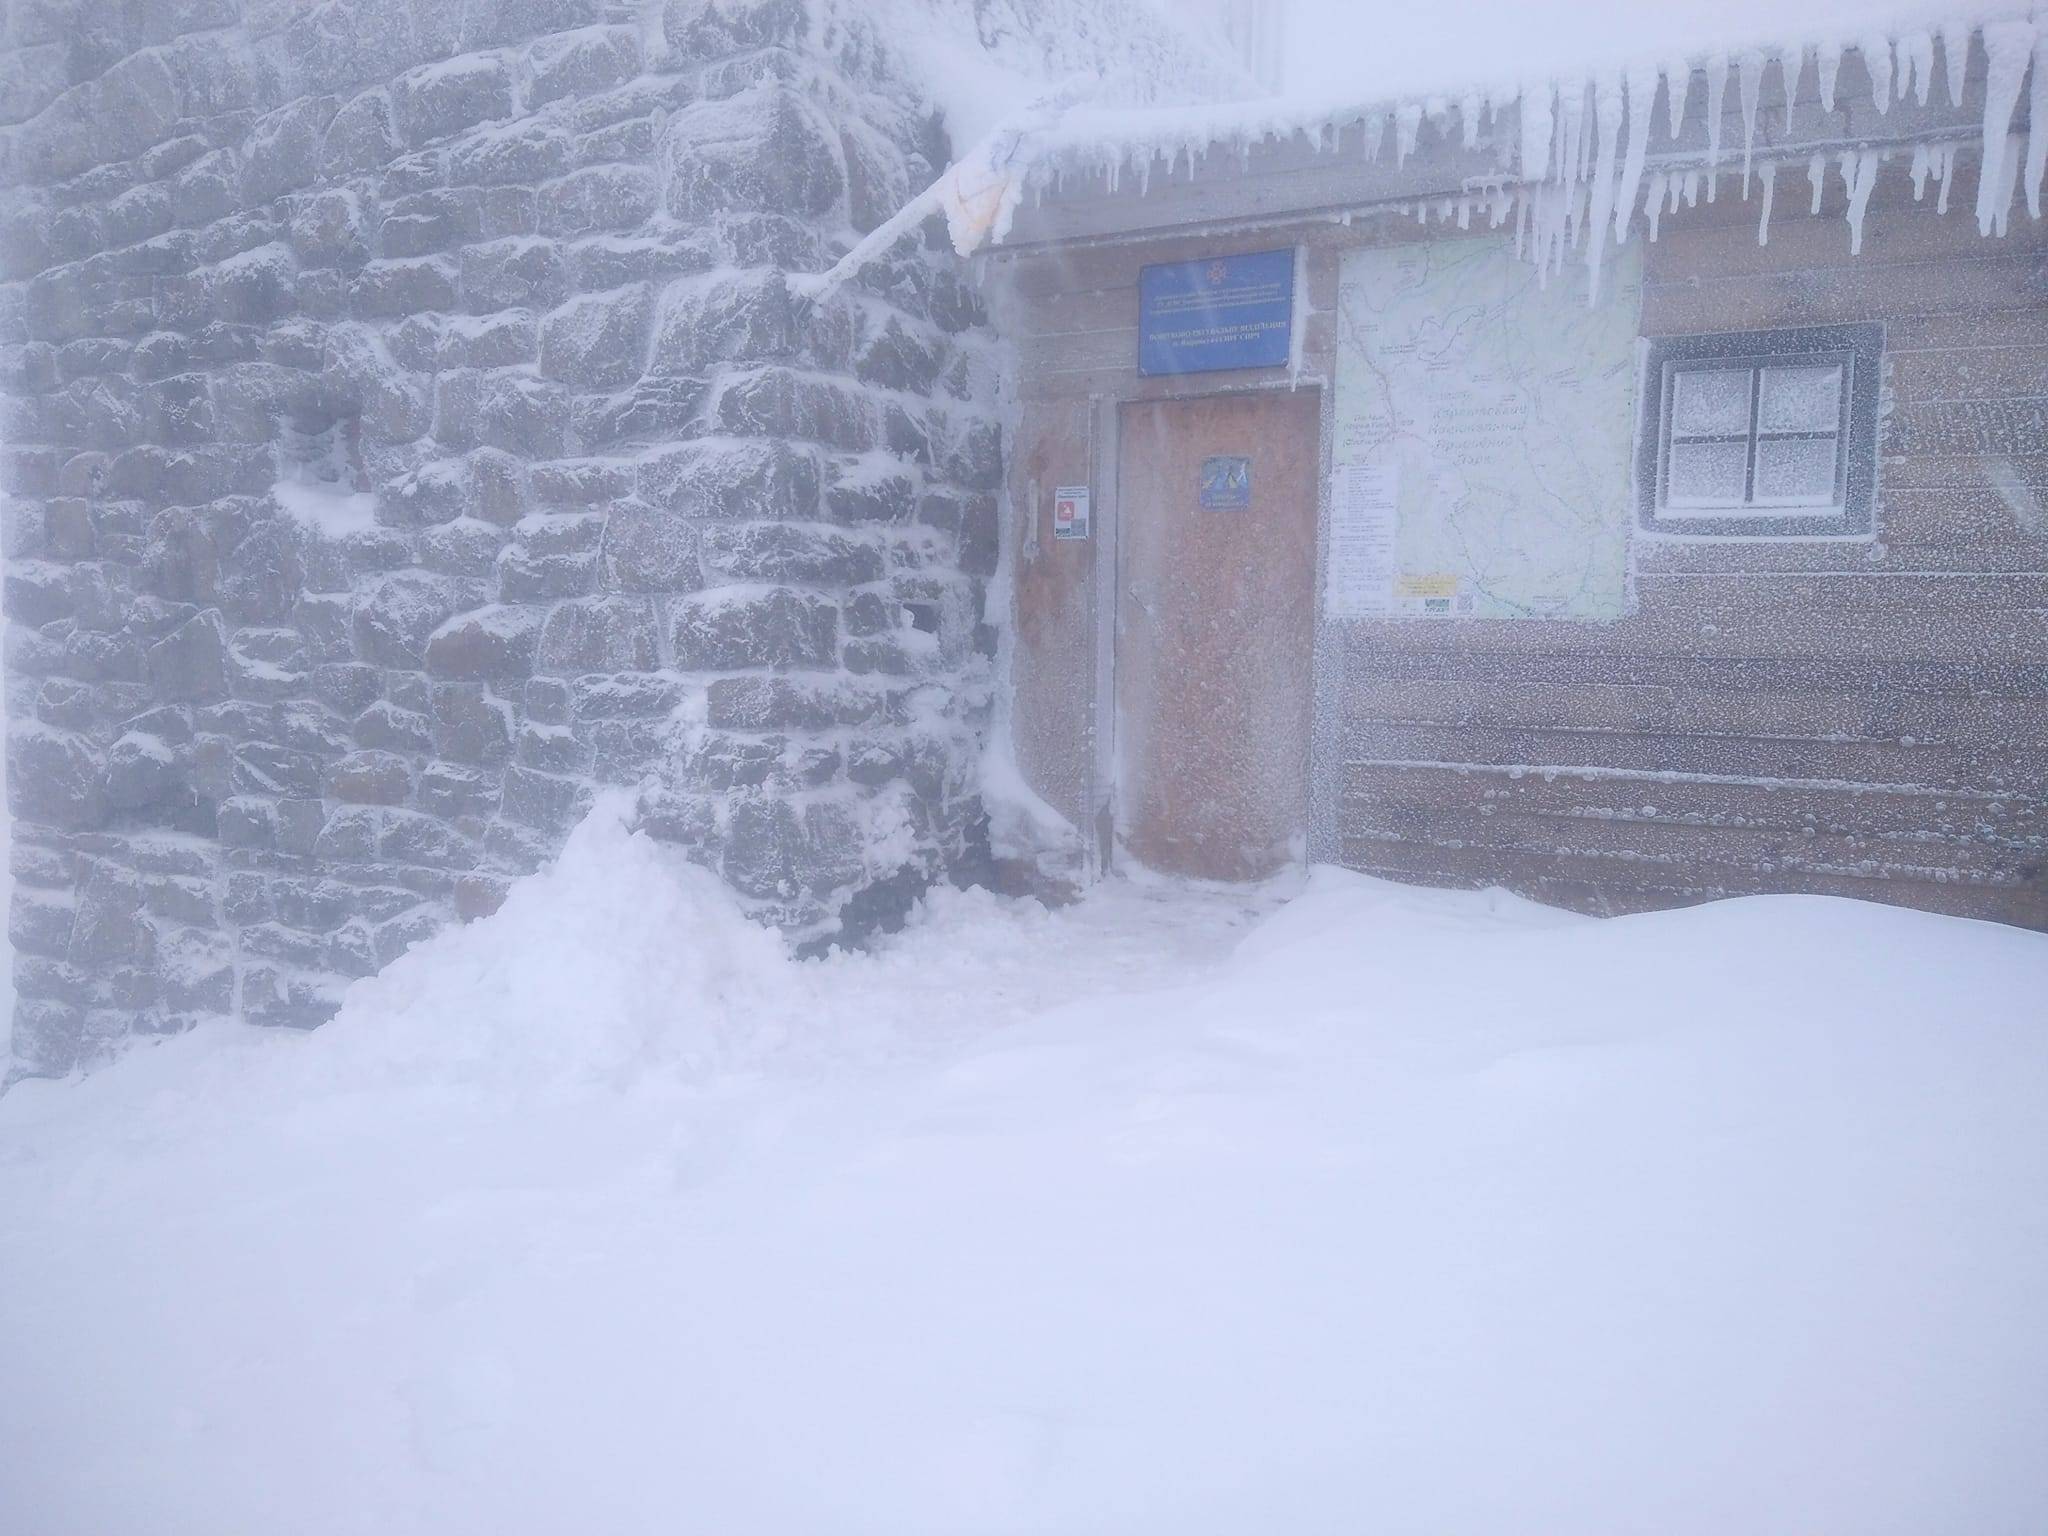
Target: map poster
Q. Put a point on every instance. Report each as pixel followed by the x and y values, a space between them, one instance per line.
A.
pixel 1484 423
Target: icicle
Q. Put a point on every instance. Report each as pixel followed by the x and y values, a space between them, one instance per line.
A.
pixel 1642 101
pixel 1792 70
pixel 1607 106
pixel 2008 46
pixel 2037 127
pixel 1877 58
pixel 1653 203
pixel 1817 174
pixel 1539 114
pixel 1859 176
pixel 1749 85
pixel 1691 188
pixel 1465 214
pixel 1948 176
pixel 1916 58
pixel 1767 176
pixel 2008 185
pixel 1571 133
pixel 1955 57
pixel 1468 119
pixel 1375 135
pixel 1827 63
pixel 1922 164
pixel 1407 125
pixel 1677 88
pixel 1717 89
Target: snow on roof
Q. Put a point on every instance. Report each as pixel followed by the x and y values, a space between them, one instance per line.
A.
pixel 1580 156
pixel 1577 171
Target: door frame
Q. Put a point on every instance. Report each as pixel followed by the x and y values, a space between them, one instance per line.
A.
pixel 1326 653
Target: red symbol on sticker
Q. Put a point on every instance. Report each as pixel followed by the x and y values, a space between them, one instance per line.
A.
pixel 1063 511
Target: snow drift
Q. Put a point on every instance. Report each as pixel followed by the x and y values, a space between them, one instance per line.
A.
pixel 1173 1211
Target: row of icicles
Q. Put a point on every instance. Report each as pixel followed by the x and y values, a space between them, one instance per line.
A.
pixel 1582 184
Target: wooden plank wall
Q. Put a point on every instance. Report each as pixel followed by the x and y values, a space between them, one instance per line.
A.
pixel 1855 718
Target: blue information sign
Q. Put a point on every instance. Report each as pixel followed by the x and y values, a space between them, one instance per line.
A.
pixel 1226 312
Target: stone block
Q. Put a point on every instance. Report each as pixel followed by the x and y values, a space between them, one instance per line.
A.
pixel 753 480
pixel 440 100
pixel 551 749
pixel 518 154
pixel 395 615
pixel 524 416
pixel 646 550
pixel 109 928
pixel 600 634
pixel 350 836
pixel 470 724
pixel 546 802
pixel 788 552
pixel 455 792
pixel 494 644
pixel 650 410
pixel 370 778
pixel 768 149
pixel 598 341
pixel 517 273
pixel 526 577
pixel 53 777
pixel 465 547
pixel 362 136
pixel 395 289
pixel 599 199
pixel 141 771
pixel 778 403
pixel 774 850
pixel 411 838
pixel 581 63
pixel 743 629
pixel 39 922
pixel 795 704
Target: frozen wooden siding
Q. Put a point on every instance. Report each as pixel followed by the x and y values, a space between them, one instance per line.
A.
pixel 1866 718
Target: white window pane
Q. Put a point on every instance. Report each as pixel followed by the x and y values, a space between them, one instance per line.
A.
pixel 1707 474
pixel 1710 402
pixel 1802 399
pixel 1800 469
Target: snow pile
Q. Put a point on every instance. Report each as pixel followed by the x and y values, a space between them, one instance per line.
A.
pixel 1411 1212
pixel 622 958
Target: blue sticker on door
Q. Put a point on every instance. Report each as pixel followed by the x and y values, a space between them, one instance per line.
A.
pixel 1226 483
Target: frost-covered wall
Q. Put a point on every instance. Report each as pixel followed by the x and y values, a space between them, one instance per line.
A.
pixel 411 429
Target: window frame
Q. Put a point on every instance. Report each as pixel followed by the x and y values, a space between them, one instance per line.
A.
pixel 1858 349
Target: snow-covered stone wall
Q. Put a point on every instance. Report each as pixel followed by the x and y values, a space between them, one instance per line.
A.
pixel 411 428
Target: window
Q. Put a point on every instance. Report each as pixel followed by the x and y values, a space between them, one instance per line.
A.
pixel 1761 434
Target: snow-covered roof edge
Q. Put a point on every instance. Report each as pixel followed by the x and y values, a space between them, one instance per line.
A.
pixel 1577 171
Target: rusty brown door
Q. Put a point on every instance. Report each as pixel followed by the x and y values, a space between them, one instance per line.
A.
pixel 1215 629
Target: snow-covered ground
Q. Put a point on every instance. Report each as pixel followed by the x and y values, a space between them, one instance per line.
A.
pixel 1174 1211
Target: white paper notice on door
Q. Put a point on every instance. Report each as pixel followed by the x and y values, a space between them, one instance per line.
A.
pixel 1359 580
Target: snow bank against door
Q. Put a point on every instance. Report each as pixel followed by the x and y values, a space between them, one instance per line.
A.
pixel 1387 1210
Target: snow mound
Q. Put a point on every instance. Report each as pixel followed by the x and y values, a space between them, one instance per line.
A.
pixel 621 958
